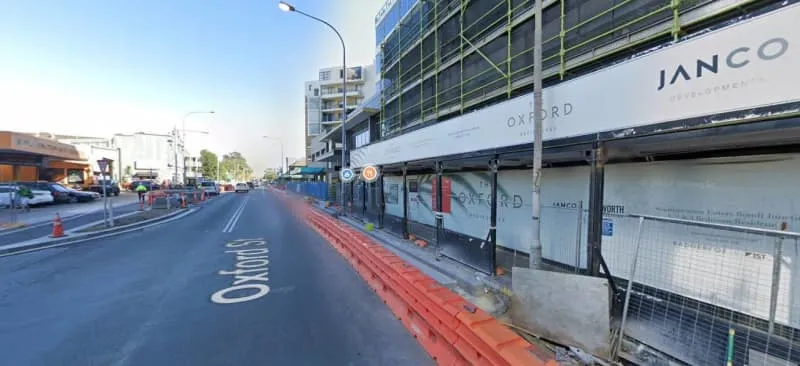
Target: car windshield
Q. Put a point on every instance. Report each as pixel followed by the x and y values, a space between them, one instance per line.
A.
pixel 207 184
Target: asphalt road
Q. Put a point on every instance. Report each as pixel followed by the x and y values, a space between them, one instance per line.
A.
pixel 166 296
pixel 42 229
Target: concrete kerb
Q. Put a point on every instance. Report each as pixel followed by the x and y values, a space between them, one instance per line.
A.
pixel 47 243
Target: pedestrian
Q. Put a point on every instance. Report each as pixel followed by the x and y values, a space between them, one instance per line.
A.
pixel 25 195
pixel 141 190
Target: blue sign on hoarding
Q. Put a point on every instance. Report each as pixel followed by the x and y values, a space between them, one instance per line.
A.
pixel 608 227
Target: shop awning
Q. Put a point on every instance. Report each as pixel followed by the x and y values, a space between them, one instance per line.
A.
pixel 307 171
pixel 311 171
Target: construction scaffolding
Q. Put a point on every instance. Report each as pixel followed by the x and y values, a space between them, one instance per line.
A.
pixel 447 57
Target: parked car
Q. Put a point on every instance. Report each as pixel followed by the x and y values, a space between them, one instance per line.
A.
pixel 242 187
pixel 60 193
pixel 81 196
pixel 8 193
pixel 211 188
pixel 111 187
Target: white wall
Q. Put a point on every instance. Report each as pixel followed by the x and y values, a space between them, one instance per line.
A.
pixel 723 267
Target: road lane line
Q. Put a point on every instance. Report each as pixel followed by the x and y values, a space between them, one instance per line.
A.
pixel 235 217
pixel 230 220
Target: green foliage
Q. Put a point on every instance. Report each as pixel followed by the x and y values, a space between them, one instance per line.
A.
pixel 209 163
pixel 234 167
pixel 270 174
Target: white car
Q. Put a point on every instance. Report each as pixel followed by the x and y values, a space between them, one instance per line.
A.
pixel 211 188
pixel 9 193
pixel 242 187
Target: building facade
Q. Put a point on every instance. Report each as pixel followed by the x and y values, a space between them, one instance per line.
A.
pixel 150 156
pixel 324 102
pixel 654 111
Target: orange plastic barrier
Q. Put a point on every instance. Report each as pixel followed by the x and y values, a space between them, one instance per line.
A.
pixel 452 331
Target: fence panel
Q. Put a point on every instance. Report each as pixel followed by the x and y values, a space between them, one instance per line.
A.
pixel 373 202
pixel 564 236
pixel 318 190
pixel 692 283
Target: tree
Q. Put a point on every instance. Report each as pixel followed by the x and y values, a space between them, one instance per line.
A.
pixel 270 174
pixel 234 167
pixel 209 163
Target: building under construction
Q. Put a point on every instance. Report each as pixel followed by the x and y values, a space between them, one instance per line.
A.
pixel 447 57
pixel 670 127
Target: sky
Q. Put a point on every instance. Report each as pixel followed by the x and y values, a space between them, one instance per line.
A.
pixel 99 67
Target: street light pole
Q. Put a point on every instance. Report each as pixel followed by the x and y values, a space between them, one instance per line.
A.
pixel 282 155
pixel 289 8
pixel 536 241
pixel 183 138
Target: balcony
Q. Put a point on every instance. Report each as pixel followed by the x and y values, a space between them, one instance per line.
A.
pixel 334 94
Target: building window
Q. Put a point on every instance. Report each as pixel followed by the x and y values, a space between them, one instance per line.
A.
pixel 362 138
pixel 341 73
pixel 325 75
pixel 316 92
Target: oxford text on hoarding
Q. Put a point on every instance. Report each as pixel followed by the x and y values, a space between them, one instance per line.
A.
pixel 523 120
pixel 737 58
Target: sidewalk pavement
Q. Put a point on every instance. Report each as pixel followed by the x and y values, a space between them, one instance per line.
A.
pixel 491 294
pixel 38 215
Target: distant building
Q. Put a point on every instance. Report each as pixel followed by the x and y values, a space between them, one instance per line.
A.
pixel 149 156
pixel 323 102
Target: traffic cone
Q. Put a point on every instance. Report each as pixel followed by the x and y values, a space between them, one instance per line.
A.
pixel 58 227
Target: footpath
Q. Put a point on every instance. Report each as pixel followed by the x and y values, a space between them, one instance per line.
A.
pixel 159 208
pixel 454 313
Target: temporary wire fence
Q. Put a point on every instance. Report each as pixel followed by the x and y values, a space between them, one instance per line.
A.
pixel 707 293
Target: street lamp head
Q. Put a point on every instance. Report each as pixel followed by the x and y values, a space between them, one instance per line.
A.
pixel 211 112
pixel 285 6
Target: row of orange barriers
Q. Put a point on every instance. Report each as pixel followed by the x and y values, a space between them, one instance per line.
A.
pixel 186 197
pixel 452 331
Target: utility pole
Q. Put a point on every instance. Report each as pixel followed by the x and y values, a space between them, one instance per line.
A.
pixel 175 149
pixel 536 242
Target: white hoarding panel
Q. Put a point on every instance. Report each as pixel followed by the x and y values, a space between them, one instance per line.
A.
pixel 470 199
pixel 747 65
pixel 393 195
pixel 722 267
pixel 419 198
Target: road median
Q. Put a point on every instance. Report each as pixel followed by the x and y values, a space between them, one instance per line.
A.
pixel 452 330
pixel 129 222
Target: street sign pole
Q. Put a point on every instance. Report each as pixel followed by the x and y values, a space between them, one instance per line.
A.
pixel 108 216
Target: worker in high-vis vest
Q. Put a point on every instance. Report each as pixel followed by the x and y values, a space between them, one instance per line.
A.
pixel 141 189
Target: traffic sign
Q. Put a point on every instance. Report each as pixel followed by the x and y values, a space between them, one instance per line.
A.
pixel 103 164
pixel 370 173
pixel 347 175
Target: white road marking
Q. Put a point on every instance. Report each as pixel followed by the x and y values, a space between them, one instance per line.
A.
pixel 235 217
pixel 254 262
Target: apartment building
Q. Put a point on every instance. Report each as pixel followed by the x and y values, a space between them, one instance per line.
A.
pixel 324 104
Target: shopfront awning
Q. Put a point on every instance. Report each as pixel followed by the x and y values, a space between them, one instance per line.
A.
pixel 24 143
pixel 306 171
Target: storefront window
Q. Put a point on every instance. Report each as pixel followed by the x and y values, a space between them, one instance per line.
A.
pixel 74 176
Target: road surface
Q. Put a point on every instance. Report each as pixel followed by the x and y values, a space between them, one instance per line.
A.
pixel 169 295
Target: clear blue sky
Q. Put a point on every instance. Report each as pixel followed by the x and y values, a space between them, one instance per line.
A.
pixel 96 67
